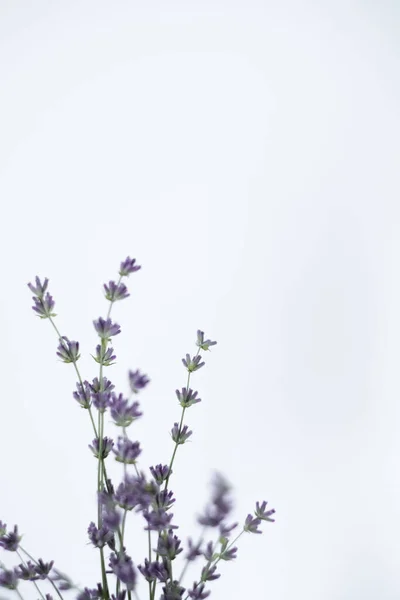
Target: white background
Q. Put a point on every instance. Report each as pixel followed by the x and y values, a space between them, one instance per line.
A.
pixel 246 153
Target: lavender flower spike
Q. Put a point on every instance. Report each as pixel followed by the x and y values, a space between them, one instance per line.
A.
pixel 202 343
pixel 251 524
pixel 180 435
pixel 10 541
pixel 83 395
pixel 115 291
pixel 264 515
pixel 68 351
pixel 137 381
pixel 40 288
pixel 104 356
pixel 193 364
pixel 44 306
pixel 127 451
pixel 128 266
pixel 106 447
pixel 187 397
pixel 8 579
pixel 106 328
pixel 123 568
pixel 121 412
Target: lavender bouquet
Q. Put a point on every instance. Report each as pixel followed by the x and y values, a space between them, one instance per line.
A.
pixel 149 495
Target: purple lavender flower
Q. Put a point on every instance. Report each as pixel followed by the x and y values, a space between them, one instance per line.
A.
pixel 154 570
pixel 10 541
pixel 101 400
pixel 202 343
pixel 120 596
pixel 83 395
pixel 197 592
pixel 251 524
pixel 106 447
pixel 94 594
pixel 104 386
pixel 68 351
pixel 169 545
pixel 208 553
pixel 172 591
pixel 64 583
pixel 187 397
pixel 261 513
pixel 121 413
pixel 229 553
pixel 127 451
pixel 8 579
pixel 106 328
pixel 220 505
pixel 40 288
pixel 209 573
pixel 180 435
pixel 111 518
pixel 27 571
pixel 44 306
pixel 160 473
pixel 164 499
pixel 115 291
pixel 135 491
pixel 99 537
pixel 104 356
pixel 128 266
pixel 158 520
pixel 194 550
pixel 226 530
pixel 193 364
pixel 122 567
pixel 137 381
pixel 43 569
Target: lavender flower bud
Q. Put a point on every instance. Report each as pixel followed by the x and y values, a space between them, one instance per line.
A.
pixel 27 572
pixel 158 520
pixel 202 343
pixel 104 356
pixel 128 266
pixel 154 570
pixel 169 545
pixel 127 451
pixel 99 537
pixel 10 541
pixel 172 591
pixel 68 351
pixel 106 447
pixel 187 397
pixel 194 550
pixel 160 473
pixel 120 596
pixel 111 518
pixel 40 288
pixel 137 381
pixel 43 569
pixel 104 386
pixel 180 435
pixel 44 306
pixel 261 513
pixel 209 574
pixel 83 395
pixel 114 291
pixel 220 505
pixel 121 413
pixel 251 524
pixel 192 364
pixel 101 400
pixel 164 499
pixel 197 592
pixel 106 328
pixel 8 579
pixel 123 568
pixel 229 554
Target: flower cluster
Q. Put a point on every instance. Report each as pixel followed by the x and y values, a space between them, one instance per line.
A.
pixel 146 495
